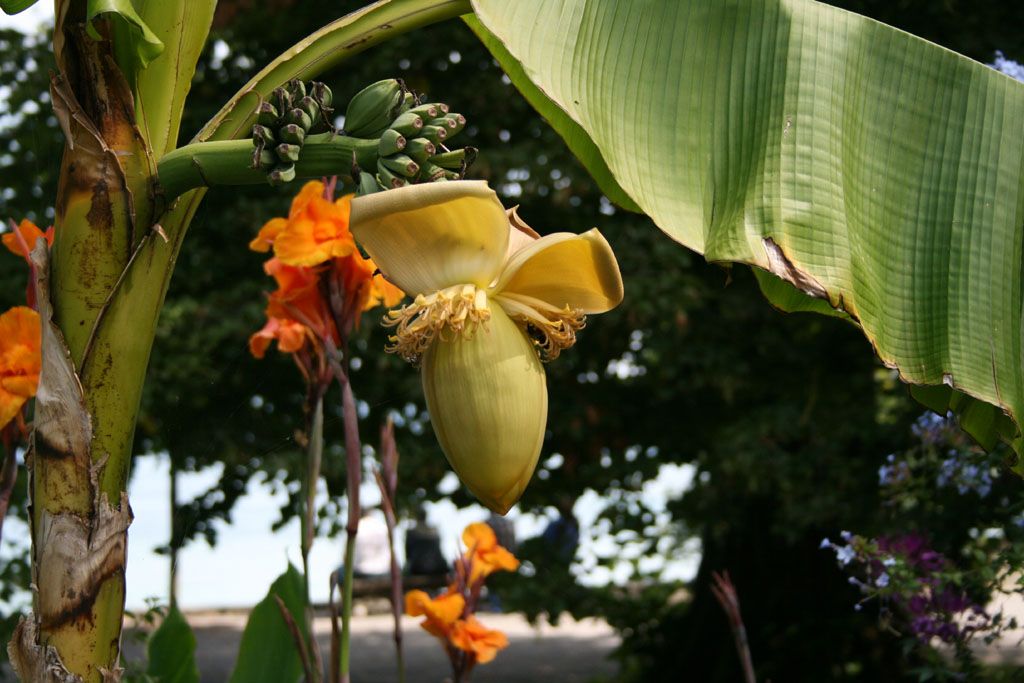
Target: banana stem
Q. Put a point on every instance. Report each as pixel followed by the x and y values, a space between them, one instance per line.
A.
pixel 229 162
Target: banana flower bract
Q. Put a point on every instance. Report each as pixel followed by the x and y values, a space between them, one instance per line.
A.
pixel 492 299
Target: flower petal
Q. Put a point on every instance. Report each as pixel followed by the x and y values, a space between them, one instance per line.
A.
pixel 434 235
pixel 488 404
pixel 563 269
pixel 520 235
pixel 22 239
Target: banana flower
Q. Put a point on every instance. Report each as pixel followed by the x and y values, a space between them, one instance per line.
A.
pixel 492 299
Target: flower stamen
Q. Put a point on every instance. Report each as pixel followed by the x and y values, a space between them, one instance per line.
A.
pixel 448 313
pixel 551 329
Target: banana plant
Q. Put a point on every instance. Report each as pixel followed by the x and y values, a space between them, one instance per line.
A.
pixel 123 73
pixel 865 173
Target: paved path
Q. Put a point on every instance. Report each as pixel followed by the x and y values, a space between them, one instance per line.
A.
pixel 573 652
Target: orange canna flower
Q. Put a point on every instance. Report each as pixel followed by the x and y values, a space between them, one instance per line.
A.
pixel 296 312
pixel 311 245
pixel 20 360
pixel 264 240
pixel 362 287
pixel 22 239
pixel 290 335
pixel 316 229
pixel 440 612
pixel 469 635
pixel 484 553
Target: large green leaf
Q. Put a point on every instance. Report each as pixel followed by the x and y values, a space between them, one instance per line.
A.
pixel 135 45
pixel 171 651
pixel 575 137
pixel 15 6
pixel 160 89
pixel 268 653
pixel 871 169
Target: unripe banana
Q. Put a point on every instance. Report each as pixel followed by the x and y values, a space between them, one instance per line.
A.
pixel 288 153
pixel 322 94
pixel 455 159
pixel 427 111
pixel 261 135
pixel 266 114
pixel 372 108
pixel 300 118
pixel 408 102
pixel 368 184
pixel 408 124
pixel 453 123
pixel 430 173
pixel 420 149
pixel 435 134
pixel 391 142
pixel 281 175
pixel 267 160
pixel 281 100
pixel 387 179
pixel 296 89
pixel 402 165
pixel 312 109
pixel 292 133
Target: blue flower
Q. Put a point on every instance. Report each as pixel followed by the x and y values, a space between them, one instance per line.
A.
pixel 845 554
pixel 883 580
pixel 825 543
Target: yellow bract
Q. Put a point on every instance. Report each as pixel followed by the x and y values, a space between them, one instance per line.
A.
pixel 492 300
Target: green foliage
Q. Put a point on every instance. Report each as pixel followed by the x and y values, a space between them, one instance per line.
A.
pixel 268 653
pixel 171 651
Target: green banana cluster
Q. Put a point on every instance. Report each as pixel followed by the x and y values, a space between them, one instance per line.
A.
pixel 282 124
pixel 412 138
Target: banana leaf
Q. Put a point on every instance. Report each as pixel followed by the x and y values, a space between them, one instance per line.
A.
pixel 873 171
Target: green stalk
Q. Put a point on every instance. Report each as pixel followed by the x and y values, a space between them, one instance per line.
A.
pixel 346 607
pixel 229 162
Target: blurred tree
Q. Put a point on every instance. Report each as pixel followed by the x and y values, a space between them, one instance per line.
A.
pixel 785 417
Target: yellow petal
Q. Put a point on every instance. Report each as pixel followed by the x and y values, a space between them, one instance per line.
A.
pixel 520 235
pixel 430 236
pixel 488 404
pixel 563 269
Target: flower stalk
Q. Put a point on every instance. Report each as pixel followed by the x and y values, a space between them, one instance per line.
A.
pixel 353 475
pixel 387 482
pixel 311 475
